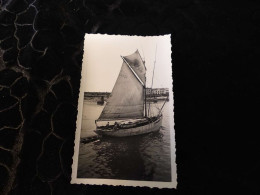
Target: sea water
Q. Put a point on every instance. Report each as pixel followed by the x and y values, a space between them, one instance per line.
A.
pixel 142 157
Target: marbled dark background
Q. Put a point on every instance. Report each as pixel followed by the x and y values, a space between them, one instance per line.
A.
pixel 216 84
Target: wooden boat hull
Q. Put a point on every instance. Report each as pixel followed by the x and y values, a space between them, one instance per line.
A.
pixel 148 128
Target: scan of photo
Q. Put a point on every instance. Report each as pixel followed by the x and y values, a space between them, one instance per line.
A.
pixel 125 124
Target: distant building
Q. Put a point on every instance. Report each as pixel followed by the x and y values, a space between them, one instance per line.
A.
pixel 157 91
pixel 148 91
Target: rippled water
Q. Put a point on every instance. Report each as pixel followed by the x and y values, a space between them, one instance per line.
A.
pixel 143 157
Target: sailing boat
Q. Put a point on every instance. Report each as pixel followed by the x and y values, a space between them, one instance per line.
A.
pixel 125 113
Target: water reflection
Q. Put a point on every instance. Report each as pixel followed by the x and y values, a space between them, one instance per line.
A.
pixel 143 157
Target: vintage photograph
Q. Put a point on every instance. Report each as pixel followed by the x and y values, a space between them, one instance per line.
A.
pixel 125 125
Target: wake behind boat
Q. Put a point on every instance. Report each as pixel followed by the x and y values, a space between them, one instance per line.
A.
pixel 126 112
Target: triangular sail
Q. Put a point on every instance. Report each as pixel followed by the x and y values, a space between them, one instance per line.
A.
pixel 137 64
pixel 127 97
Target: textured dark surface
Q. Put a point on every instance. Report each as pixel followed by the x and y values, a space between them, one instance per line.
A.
pixel 216 86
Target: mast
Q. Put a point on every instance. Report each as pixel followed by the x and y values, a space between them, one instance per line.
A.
pixel 153 75
pixel 145 107
pixel 154 64
pixel 145 113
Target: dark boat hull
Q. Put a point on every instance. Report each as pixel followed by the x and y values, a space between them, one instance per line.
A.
pixel 139 130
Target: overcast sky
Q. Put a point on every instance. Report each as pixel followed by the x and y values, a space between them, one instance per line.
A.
pixel 103 62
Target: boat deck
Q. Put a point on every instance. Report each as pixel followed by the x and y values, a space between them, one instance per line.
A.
pixel 137 129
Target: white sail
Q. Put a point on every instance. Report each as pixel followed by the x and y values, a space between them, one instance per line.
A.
pixel 136 63
pixel 127 97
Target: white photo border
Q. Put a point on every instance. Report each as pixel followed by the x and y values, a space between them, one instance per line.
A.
pixel 117 182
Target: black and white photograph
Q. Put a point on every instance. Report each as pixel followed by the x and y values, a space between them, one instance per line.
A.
pixel 125 125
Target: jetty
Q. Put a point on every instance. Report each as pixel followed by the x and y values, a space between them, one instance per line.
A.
pixel 86 140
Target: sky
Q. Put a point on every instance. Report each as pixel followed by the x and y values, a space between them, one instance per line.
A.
pixel 102 61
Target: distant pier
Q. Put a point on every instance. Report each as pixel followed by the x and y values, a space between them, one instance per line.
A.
pixel 96 96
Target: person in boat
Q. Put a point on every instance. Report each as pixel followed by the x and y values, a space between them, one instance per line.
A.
pixel 107 126
pixel 115 126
